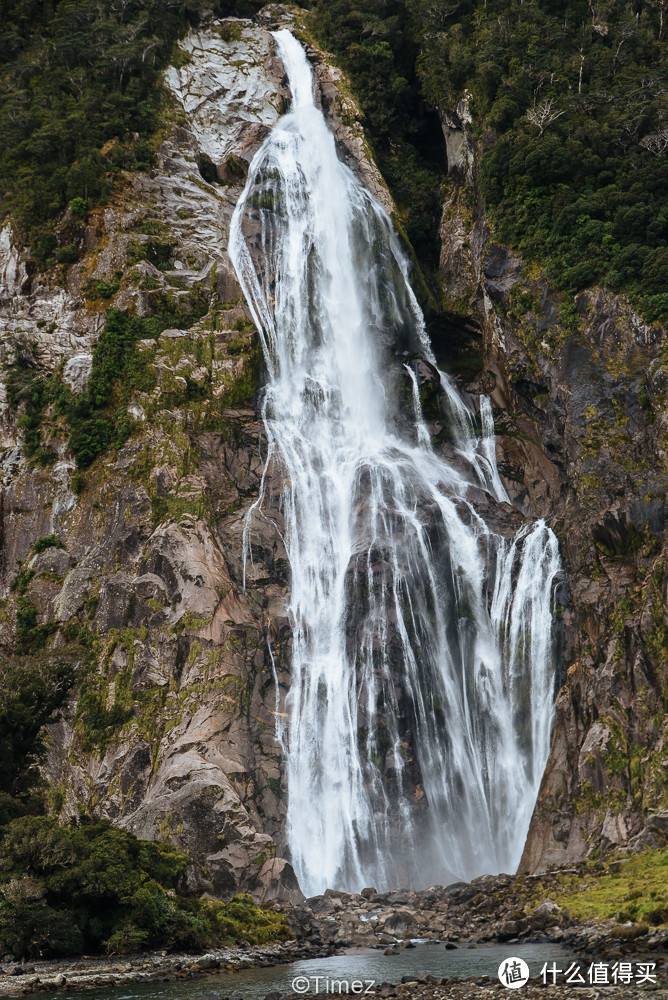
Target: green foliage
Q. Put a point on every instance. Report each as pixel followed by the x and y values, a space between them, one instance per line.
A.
pixel 26 388
pixel 241 390
pixel 32 690
pixel 78 888
pixel 636 892
pixel 377 47
pixel 569 105
pixel 238 345
pixel 231 32
pixel 68 254
pixel 101 289
pixel 69 889
pixel 30 636
pixel 100 723
pixel 47 542
pixel 78 207
pixel 20 583
pixel 156 252
pixel 77 483
pixel 80 95
pixel 571 109
pixel 97 417
pixel 26 626
pixel 235 168
pixel 94 425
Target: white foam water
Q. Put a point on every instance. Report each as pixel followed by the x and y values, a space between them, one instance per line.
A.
pixel 423 668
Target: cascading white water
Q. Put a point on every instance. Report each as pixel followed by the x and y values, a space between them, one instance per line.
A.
pixel 422 688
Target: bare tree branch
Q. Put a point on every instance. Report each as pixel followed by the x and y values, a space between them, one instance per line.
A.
pixel 657 142
pixel 543 114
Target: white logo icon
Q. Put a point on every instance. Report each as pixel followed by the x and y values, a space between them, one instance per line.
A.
pixel 513 973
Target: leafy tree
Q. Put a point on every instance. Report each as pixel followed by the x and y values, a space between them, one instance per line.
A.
pixel 66 889
pixel 32 692
pixel 80 94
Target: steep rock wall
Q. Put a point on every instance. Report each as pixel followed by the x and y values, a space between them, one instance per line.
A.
pixel 579 390
pixel 171 730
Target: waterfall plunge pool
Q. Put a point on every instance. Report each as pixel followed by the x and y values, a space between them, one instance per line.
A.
pixel 356 964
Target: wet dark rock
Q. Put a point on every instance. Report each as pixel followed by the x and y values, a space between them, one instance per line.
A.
pixel 401 924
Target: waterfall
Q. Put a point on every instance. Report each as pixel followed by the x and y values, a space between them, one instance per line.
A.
pixel 417 723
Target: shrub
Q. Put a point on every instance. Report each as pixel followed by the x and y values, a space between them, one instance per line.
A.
pixel 32 691
pixel 238 345
pixel 77 483
pixel 155 251
pixel 90 886
pixel 230 31
pixel 78 207
pixel 47 542
pixel 68 254
pixel 20 582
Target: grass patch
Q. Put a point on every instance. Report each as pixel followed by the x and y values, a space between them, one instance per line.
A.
pixel 637 893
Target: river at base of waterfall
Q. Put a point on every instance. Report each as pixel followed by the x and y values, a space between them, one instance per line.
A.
pixel 356 965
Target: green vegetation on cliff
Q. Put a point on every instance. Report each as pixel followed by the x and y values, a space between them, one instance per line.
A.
pixel 378 48
pixel 80 101
pixel 569 101
pixel 32 692
pixel 98 417
pixel 85 887
pixel 633 889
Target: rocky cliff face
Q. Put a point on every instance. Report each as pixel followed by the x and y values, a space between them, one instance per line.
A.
pixel 179 641
pixel 579 386
pixel 182 644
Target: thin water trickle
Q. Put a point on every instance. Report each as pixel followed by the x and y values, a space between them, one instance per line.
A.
pixel 421 696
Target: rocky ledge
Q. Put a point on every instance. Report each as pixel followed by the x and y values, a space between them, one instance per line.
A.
pixel 499 908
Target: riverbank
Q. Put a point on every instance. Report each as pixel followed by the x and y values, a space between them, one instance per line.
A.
pixel 610 911
pixel 604 911
pixel 463 975
pixel 486 989
pixel 74 975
